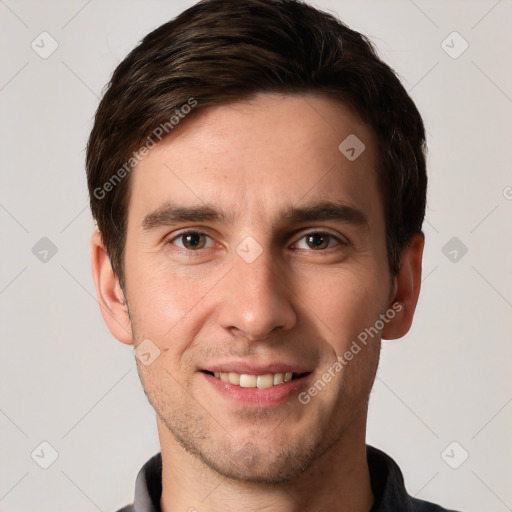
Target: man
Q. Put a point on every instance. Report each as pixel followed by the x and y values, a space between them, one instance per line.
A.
pixel 257 175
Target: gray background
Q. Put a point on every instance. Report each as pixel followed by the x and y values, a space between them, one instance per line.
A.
pixel 65 381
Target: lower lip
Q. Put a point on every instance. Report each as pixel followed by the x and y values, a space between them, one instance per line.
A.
pixel 256 397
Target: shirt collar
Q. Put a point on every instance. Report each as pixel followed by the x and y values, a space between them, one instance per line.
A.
pixel 148 486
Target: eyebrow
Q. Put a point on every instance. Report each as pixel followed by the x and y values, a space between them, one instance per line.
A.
pixel 170 214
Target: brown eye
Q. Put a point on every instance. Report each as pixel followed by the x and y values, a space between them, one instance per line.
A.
pixel 190 240
pixel 319 240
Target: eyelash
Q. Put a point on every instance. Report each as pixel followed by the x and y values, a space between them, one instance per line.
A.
pixel 340 241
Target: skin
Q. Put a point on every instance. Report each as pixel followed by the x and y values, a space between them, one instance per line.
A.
pixel 302 300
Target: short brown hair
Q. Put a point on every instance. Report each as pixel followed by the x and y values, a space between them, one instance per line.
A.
pixel 221 51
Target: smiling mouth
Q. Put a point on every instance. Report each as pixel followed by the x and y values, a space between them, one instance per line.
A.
pixel 264 381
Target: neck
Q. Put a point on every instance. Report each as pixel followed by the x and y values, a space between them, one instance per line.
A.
pixel 339 480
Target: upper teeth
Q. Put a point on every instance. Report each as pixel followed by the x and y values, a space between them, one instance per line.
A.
pixel 254 381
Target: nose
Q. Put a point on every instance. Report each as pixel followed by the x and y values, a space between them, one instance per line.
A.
pixel 256 300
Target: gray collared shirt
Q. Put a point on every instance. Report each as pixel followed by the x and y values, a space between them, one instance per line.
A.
pixel 386 480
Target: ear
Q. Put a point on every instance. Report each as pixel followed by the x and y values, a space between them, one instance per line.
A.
pixel 406 289
pixel 108 290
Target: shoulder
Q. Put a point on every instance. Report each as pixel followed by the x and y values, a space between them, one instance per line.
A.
pixel 148 487
pixel 426 506
pixel 389 489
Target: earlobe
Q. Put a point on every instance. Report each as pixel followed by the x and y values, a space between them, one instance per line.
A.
pixel 406 289
pixel 108 290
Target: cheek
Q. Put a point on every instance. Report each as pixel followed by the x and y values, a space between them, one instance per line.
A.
pixel 346 301
pixel 160 299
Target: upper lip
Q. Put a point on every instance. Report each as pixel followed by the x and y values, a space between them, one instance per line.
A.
pixel 256 369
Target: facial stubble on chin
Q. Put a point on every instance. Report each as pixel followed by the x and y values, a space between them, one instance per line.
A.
pixel 245 462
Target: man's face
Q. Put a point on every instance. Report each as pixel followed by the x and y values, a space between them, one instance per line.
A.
pixel 270 285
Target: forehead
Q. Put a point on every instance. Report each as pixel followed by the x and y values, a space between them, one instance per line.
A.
pixel 254 158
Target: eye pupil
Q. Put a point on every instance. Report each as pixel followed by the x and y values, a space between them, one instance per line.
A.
pixel 318 240
pixel 193 240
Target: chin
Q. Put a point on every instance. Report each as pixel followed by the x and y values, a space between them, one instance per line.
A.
pixel 246 461
pixel 252 464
